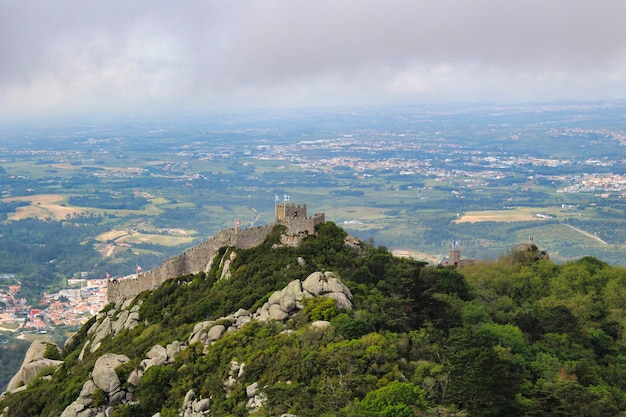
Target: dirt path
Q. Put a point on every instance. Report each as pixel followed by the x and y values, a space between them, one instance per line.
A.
pixel 589 235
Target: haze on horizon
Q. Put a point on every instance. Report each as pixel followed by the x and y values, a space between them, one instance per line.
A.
pixel 74 57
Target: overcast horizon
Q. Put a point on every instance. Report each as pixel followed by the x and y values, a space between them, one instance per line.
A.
pixel 63 57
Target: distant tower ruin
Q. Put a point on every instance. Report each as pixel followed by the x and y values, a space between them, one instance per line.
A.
pixel 455 257
pixel 295 218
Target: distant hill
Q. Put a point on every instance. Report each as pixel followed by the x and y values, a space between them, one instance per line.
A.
pixel 338 327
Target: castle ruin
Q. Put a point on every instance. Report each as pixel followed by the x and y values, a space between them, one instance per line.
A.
pixel 198 258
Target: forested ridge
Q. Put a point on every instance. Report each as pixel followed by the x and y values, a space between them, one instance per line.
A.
pixel 519 336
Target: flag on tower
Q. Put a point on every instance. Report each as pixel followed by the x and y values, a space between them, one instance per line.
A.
pixel 276 198
pixel 138 269
pixel 237 222
pixel 108 275
pixel 286 198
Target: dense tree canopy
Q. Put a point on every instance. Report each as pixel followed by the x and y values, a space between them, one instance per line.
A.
pixel 520 336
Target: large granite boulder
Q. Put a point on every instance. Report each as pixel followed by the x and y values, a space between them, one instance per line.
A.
pixel 34 362
pixel 155 357
pixel 103 373
pixel 328 282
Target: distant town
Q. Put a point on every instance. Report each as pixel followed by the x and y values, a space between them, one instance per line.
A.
pixel 72 306
pixel 105 196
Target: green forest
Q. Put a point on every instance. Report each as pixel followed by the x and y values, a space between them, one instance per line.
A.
pixel 517 336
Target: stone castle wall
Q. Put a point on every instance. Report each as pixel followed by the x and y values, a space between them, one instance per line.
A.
pixel 198 258
pixel 297 225
pixel 192 261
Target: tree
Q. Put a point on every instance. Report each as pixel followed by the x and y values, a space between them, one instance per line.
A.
pixel 152 391
pixel 397 399
pixel 481 380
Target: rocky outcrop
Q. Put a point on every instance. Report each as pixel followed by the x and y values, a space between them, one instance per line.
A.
pixel 280 306
pixel 156 356
pixel 103 373
pixel 105 380
pixel 33 363
pixel 114 321
pixel 194 407
pixel 256 398
pixel 353 244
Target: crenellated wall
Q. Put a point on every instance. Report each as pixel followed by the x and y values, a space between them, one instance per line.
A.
pixel 198 258
pixel 191 261
pixel 289 211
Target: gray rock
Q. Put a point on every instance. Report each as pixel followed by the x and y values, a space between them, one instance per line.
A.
pixel 33 362
pixel 127 304
pixel 226 270
pixel 81 355
pixel 215 332
pixel 275 297
pixel 294 288
pixel 135 377
pixel 314 283
pixel 94 326
pixel 341 299
pixel 118 325
pixel 354 244
pixel 117 398
pixel 133 320
pixel 88 389
pixel 319 284
pixel 263 312
pixel 288 303
pixel 252 390
pixel 241 313
pixel 242 320
pixel 189 397
pixel 256 402
pixel 104 329
pixel 72 410
pixel 276 313
pixel 335 284
pixel 320 324
pixel 199 330
pixel 157 356
pixel 200 405
pixel 88 412
pixel 86 393
pixel 173 349
pixel 103 373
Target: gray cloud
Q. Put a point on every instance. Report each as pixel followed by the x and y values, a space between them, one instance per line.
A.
pixel 63 56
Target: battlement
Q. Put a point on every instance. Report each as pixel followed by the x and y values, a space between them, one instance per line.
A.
pixel 289 211
pixel 191 261
pixel 295 218
pixel 198 258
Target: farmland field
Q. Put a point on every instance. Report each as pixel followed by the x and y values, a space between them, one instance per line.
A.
pixel 416 180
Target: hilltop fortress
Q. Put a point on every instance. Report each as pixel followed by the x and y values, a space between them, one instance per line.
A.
pixel 198 259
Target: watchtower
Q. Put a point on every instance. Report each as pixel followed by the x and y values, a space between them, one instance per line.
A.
pixel 455 257
pixel 286 211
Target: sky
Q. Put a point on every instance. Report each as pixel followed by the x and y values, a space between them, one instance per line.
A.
pixel 123 56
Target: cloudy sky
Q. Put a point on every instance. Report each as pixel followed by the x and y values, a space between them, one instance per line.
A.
pixel 63 56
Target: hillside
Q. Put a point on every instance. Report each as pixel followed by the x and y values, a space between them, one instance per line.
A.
pixel 338 327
